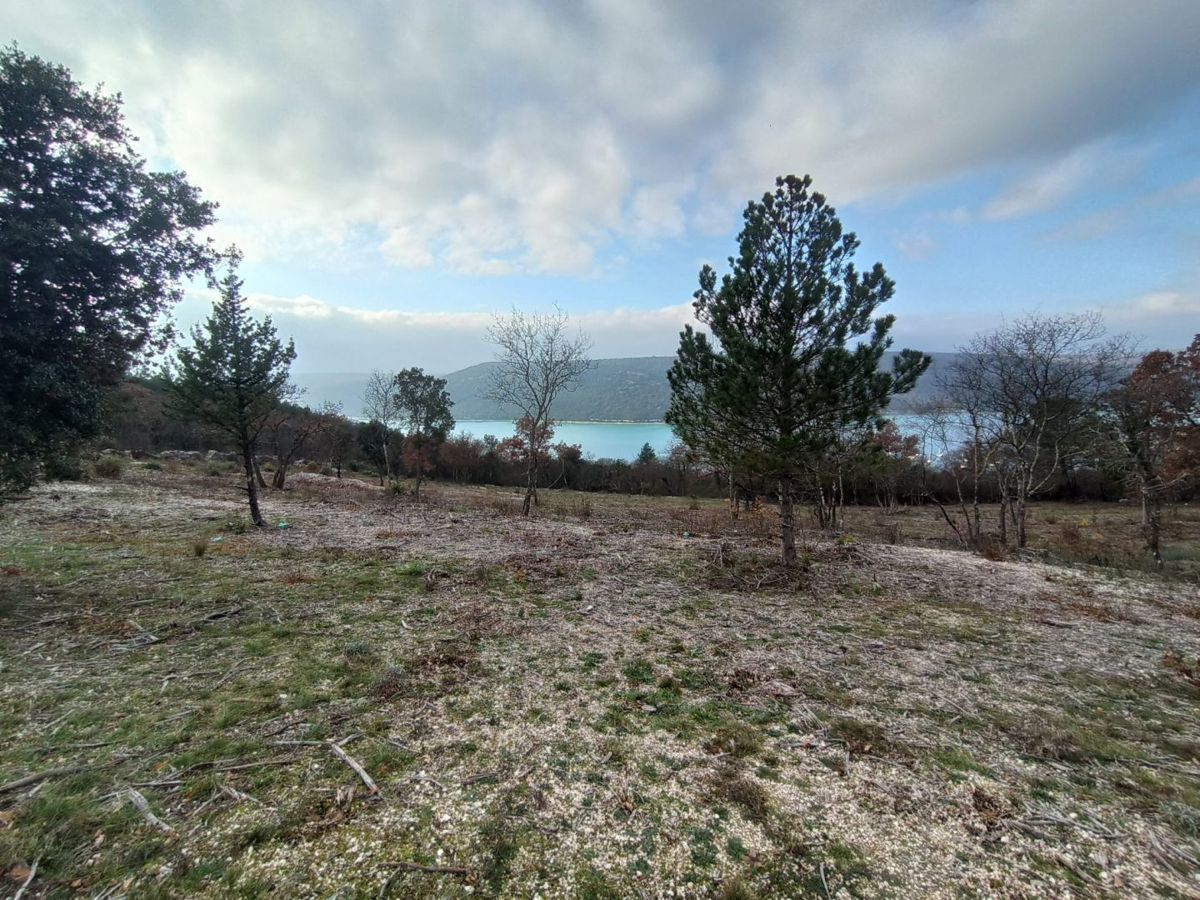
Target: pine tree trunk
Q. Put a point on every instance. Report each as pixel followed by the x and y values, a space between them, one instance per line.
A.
pixel 258 475
pixel 280 477
pixel 251 483
pixel 787 522
pixel 1004 519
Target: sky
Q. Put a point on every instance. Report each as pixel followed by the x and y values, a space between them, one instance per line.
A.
pixel 398 173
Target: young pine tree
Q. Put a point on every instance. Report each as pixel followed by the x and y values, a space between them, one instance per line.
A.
pixel 234 376
pixel 777 383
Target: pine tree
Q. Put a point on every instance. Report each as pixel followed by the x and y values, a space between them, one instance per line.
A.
pixel 776 383
pixel 234 376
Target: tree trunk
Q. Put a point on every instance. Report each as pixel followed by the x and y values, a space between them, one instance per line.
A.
pixel 1152 523
pixel 280 477
pixel 733 500
pixel 251 482
pixel 1020 512
pixel 258 475
pixel 530 489
pixel 840 500
pixel 787 522
pixel 1004 519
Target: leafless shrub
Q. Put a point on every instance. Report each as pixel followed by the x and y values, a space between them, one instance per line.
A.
pixel 109 467
pixel 989 547
pixel 893 533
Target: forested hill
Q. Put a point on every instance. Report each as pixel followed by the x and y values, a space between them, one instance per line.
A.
pixel 616 390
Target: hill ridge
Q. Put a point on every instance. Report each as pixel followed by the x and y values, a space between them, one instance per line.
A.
pixel 616 389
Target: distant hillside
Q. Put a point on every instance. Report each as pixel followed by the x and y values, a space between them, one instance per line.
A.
pixel 616 390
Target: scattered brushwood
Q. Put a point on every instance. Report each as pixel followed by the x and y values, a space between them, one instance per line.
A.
pixel 1173 661
pixel 991 808
pixel 434 672
pixel 562 705
pixel 751 570
pixel 863 738
pixel 479 620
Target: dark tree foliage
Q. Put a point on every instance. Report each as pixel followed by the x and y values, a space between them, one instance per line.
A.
pixel 234 376
pixel 776 383
pixel 1151 417
pixel 92 251
pixel 423 405
pixel 646 455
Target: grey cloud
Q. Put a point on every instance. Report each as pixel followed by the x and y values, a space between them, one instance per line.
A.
pixel 333 338
pixel 531 136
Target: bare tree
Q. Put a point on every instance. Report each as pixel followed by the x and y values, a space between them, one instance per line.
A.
pixel 538 359
pixel 289 430
pixel 1025 394
pixel 957 429
pixel 380 405
pixel 336 441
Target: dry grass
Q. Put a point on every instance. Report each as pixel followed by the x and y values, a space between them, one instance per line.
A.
pixel 619 699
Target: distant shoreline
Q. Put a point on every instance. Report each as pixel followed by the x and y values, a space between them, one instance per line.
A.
pixel 579 421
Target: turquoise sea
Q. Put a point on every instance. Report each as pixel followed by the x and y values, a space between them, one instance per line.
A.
pixel 601 440
pixel 622 440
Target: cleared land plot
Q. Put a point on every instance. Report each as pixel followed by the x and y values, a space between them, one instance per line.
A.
pixel 587 704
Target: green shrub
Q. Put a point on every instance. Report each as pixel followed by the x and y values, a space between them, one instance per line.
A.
pixel 64 468
pixel 640 671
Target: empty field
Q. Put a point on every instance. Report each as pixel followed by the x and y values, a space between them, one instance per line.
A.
pixel 619 697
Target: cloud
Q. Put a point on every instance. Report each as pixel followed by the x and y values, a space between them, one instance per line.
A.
pixel 1089 227
pixel 916 245
pixel 302 307
pixel 340 338
pixel 1156 305
pixel 1165 318
pixel 539 137
pixel 1045 189
pixel 1107 221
